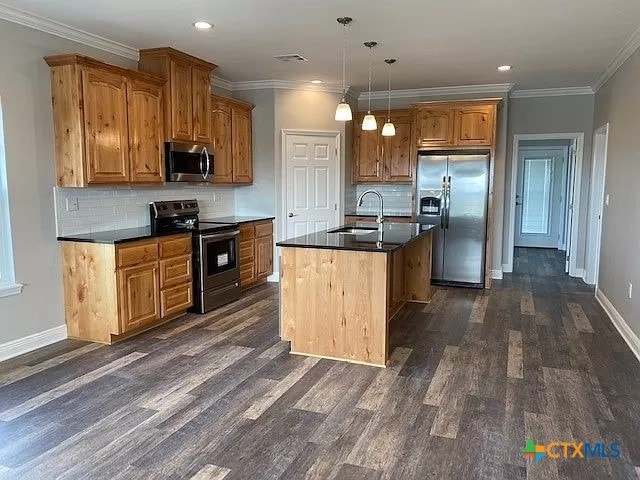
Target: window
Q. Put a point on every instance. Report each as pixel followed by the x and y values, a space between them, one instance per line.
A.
pixel 8 284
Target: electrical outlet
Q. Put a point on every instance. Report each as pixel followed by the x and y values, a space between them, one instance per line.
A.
pixel 606 199
pixel 630 289
pixel 72 205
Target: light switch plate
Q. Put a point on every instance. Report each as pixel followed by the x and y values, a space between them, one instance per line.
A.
pixel 72 205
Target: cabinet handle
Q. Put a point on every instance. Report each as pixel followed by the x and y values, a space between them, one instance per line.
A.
pixel 377 168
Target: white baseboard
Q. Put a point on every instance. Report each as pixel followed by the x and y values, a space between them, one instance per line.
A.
pixel 32 342
pixel 623 328
pixel 577 273
pixel 506 268
pixel 496 274
pixel 274 277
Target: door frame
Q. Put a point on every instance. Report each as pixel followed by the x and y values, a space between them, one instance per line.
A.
pixel 563 186
pixel 283 171
pixel 594 226
pixel 575 179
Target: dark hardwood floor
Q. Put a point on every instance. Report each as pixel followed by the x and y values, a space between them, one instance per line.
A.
pixel 473 374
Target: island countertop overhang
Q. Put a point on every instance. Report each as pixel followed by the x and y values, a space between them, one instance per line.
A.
pixel 394 237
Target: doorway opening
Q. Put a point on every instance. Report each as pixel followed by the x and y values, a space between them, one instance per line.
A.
pixel 546 172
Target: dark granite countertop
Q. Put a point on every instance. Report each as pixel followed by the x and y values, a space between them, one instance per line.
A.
pixel 394 236
pixel 237 219
pixel 115 236
pixel 373 215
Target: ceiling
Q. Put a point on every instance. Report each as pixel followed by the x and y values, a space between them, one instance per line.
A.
pixel 550 43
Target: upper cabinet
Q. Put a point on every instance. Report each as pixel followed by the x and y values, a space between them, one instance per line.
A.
pixel 187 93
pixel 378 159
pixel 107 123
pixel 456 124
pixel 231 133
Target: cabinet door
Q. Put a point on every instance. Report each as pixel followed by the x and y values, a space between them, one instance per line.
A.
pixel 435 127
pixel 221 141
pixel 181 101
pixel 367 155
pixel 139 296
pixel 105 127
pixel 201 93
pixel 144 106
pixel 242 149
pixel 264 256
pixel 474 126
pixel 398 163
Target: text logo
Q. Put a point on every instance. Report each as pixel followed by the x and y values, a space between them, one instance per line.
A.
pixel 570 450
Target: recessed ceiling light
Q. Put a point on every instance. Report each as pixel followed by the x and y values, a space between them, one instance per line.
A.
pixel 504 68
pixel 316 81
pixel 201 25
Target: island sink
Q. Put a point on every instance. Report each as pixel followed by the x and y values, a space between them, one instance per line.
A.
pixel 339 288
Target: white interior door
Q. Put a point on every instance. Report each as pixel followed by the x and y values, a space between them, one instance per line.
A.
pixel 311 182
pixel 539 211
pixel 596 208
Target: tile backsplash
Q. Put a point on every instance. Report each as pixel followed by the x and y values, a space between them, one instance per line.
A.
pixel 397 199
pixel 112 208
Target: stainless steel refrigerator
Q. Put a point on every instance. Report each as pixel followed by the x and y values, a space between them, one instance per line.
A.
pixel 452 193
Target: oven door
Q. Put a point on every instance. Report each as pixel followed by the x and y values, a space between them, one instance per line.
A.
pixel 219 259
pixel 188 162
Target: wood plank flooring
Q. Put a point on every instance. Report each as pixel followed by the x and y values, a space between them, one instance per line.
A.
pixel 472 375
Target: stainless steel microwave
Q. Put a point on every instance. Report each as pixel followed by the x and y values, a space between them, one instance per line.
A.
pixel 188 162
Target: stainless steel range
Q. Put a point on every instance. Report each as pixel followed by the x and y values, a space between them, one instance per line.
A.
pixel 216 267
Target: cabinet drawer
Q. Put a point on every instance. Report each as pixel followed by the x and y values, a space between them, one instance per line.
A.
pixel 137 253
pixel 247 274
pixel 263 229
pixel 175 246
pixel 175 299
pixel 247 231
pixel 174 271
pixel 247 249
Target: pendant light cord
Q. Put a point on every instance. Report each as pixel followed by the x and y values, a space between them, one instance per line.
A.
pixel 344 62
pixel 370 55
pixel 389 97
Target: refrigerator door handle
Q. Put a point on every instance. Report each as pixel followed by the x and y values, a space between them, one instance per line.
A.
pixel 443 208
pixel 448 200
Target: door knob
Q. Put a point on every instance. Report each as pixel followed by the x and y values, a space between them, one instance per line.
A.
pixel 292 214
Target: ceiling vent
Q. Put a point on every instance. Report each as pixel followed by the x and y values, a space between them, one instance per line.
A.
pixel 291 57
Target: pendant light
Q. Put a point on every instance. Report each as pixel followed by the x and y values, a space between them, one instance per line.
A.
pixel 369 121
pixel 343 111
pixel 389 129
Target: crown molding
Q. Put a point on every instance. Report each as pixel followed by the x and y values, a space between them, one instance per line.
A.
pixel 433 91
pixel 552 92
pixel 221 83
pixel 65 31
pixel 622 56
pixel 274 84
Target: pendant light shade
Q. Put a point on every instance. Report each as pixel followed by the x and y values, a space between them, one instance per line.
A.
pixel 343 110
pixel 389 129
pixel 369 121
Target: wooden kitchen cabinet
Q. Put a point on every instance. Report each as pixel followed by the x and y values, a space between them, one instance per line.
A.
pixel 378 159
pixel 114 291
pixel 107 123
pixel 435 127
pixel 469 123
pixel 139 294
pixel 256 252
pixel 187 107
pixel 231 133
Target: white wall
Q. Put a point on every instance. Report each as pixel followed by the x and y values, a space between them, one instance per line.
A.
pixel 564 114
pixel 618 103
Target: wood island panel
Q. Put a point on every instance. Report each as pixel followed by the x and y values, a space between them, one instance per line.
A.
pixel 334 303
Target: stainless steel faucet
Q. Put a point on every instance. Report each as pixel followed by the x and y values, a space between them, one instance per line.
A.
pixel 380 217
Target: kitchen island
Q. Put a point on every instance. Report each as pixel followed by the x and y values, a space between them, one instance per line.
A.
pixel 340 290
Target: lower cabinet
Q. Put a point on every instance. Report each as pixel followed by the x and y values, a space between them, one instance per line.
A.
pixel 113 291
pixel 256 252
